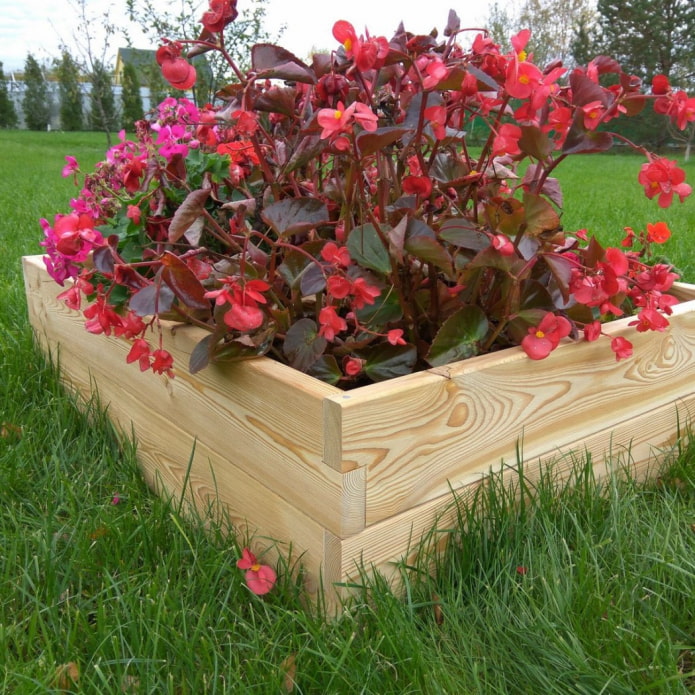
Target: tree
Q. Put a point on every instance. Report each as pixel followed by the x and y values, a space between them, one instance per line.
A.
pixel 102 114
pixel 131 101
pixel 585 42
pixel 102 104
pixel 71 113
pixel 36 102
pixel 8 114
pixel 553 25
pixel 158 88
pixel 651 36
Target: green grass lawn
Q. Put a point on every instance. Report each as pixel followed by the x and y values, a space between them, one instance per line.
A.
pixel 586 589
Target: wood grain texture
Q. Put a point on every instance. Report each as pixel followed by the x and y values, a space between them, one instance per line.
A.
pixel 267 421
pixel 647 438
pixel 359 476
pixel 419 436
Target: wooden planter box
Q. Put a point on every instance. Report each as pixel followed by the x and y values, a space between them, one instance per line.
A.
pixel 357 476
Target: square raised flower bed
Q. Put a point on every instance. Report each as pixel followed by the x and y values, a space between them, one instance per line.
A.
pixel 355 477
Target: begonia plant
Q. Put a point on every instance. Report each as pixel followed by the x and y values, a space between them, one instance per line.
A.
pixel 334 215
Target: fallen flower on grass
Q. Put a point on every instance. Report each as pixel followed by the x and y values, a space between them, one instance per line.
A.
pixel 259 578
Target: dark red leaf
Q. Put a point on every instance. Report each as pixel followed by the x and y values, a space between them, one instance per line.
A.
pixel 369 143
pixel 183 282
pixel 271 61
pixel 151 300
pixel 187 213
pixel 295 215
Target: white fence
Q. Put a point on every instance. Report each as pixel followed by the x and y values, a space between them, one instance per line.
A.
pixel 16 88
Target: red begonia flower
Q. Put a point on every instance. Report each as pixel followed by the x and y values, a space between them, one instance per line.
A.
pixel 622 348
pixel 178 72
pixel 545 337
pixel 221 13
pixel 658 233
pixel 259 578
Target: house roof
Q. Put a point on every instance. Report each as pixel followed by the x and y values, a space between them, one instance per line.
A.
pixel 140 58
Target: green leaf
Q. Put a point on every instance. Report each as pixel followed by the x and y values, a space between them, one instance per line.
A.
pixel 535 142
pixel 388 361
pixel 447 168
pixel 326 368
pixel 459 336
pixel 420 241
pixel 579 140
pixel 561 268
pixel 303 345
pixel 277 100
pixel 386 309
pixel 273 61
pixel 367 250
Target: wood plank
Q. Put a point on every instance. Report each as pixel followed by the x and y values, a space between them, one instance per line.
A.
pixel 229 407
pixel 683 290
pixel 644 438
pixel 418 436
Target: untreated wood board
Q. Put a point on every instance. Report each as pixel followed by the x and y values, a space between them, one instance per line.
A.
pixel 359 476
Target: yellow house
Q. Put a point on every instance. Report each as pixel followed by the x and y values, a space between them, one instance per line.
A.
pixel 142 58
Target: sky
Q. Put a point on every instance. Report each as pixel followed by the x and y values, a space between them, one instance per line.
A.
pixel 41 28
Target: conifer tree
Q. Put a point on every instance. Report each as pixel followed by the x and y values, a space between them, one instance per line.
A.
pixel 102 114
pixel 71 112
pixel 8 114
pixel 36 102
pixel 131 101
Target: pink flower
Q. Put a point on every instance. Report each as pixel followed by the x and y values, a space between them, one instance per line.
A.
pixel 338 255
pixel 395 337
pixel 333 121
pixel 507 140
pixel 502 243
pixel 545 337
pixel 133 213
pixel 417 185
pixel 339 120
pixel 338 286
pixel 352 366
pixel 221 13
pixel 140 352
pixel 71 167
pixel 367 52
pixel 593 114
pixel 592 331
pixel 622 348
pixel 331 323
pixel 436 115
pixel 650 320
pixel 162 362
pixel 363 293
pixel 522 79
pixel 259 578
